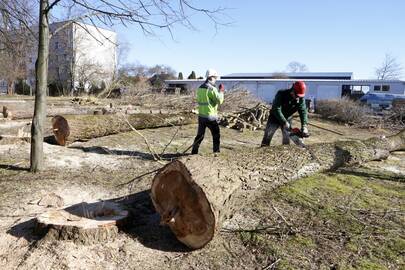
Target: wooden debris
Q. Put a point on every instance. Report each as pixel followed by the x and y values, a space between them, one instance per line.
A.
pixel 85 101
pixel 249 118
pixel 51 200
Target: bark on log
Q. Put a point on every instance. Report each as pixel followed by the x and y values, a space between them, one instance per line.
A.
pixel 84 127
pixel 194 194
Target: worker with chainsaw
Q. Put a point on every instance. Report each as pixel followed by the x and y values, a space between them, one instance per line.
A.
pixel 208 99
pixel 285 104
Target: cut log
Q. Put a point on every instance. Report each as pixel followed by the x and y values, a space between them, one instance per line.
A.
pixel 85 127
pixel 82 223
pixel 194 194
pixel 60 129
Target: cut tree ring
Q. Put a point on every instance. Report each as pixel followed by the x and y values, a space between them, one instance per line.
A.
pixel 83 223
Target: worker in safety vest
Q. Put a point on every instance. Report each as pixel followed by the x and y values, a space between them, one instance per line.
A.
pixel 285 104
pixel 208 99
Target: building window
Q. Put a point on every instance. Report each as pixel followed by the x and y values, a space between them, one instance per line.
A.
pixel 386 88
pixel 359 88
pixel 377 87
pixel 356 88
pixel 365 88
pixel 56 45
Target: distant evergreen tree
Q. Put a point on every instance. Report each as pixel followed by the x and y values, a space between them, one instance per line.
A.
pixel 180 76
pixel 192 76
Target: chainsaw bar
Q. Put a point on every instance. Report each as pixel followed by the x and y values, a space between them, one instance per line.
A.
pixel 298 139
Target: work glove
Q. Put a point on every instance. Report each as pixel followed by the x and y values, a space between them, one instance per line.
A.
pixel 221 88
pixel 305 132
pixel 287 126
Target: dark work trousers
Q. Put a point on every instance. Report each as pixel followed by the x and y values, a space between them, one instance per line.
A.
pixel 271 128
pixel 213 127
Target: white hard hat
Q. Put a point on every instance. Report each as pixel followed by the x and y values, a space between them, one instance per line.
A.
pixel 211 73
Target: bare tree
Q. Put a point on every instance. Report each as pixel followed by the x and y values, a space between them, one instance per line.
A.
pixel 279 75
pixel 161 69
pixel 41 75
pixel 122 53
pixel 15 40
pixel 12 65
pixel 295 66
pixel 390 69
pixel 147 14
pixel 88 75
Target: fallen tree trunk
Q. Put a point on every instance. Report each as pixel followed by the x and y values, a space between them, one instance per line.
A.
pixel 83 127
pixel 194 194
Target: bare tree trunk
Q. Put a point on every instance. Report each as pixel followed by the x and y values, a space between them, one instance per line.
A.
pixel 41 67
pixel 193 195
pixel 10 87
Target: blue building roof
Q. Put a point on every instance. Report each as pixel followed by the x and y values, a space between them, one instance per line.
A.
pixel 292 75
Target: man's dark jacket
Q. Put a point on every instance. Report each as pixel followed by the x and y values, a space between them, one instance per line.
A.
pixel 284 106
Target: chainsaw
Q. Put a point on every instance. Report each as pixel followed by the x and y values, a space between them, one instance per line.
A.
pixel 297 136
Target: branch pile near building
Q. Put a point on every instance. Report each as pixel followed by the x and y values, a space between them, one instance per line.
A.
pixel 194 194
pixel 249 118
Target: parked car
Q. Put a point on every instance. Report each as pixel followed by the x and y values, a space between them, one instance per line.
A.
pixel 380 100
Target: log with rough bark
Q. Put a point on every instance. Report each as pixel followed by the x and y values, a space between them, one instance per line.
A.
pixel 194 194
pixel 84 127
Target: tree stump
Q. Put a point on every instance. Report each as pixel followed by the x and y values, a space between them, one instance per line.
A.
pixel 83 223
pixel 6 113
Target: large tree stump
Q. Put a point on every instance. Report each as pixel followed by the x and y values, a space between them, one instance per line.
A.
pixel 6 113
pixel 83 223
pixel 194 194
pixel 84 127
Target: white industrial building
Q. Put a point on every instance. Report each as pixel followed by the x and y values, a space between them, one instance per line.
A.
pixel 320 85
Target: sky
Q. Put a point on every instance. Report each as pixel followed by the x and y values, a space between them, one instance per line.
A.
pixel 265 35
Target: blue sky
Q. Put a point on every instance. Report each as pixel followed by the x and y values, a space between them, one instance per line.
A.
pixel 265 36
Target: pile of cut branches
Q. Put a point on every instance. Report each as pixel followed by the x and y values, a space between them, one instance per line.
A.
pixel 89 100
pixel 248 118
pixel 237 98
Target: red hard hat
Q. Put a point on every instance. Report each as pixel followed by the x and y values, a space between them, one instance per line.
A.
pixel 299 88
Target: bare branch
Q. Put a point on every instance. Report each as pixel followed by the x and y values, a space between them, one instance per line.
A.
pixel 295 66
pixel 390 69
pixel 52 5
